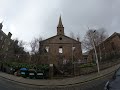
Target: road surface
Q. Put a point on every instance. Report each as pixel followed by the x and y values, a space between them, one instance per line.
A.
pixel 97 84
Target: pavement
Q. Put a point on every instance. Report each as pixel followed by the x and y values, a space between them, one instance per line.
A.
pixel 60 82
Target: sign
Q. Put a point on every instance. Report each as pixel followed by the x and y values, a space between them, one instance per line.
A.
pixel 51 65
pixel 22 72
pixel 39 73
pixel 31 73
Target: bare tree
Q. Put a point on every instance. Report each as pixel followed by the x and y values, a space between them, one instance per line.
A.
pixel 78 37
pixel 98 35
pixel 19 53
pixel 34 44
pixel 72 35
pixel 21 43
pixel 102 34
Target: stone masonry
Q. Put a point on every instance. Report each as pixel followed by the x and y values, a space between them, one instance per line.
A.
pixel 60 48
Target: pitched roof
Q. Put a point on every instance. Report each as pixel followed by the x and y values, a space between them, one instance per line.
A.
pixel 113 35
pixel 60 35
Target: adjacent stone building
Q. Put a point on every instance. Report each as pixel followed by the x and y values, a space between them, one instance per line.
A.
pixel 108 49
pixel 60 49
pixel 6 46
pixel 9 49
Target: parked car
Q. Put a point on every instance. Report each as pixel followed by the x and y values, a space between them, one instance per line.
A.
pixel 114 83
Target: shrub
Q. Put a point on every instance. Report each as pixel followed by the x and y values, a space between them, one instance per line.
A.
pixel 87 65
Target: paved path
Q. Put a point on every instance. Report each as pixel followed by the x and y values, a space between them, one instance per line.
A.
pixel 97 84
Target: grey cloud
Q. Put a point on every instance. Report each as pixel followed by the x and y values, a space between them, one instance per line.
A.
pixel 32 18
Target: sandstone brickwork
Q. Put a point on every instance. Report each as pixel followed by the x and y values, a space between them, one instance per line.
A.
pixel 60 48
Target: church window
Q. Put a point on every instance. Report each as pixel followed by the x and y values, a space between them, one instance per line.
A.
pixel 47 48
pixel 73 48
pixel 60 38
pixel 60 50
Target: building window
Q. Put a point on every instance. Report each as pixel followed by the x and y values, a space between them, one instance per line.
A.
pixel 64 61
pixel 7 49
pixel 113 45
pixel 60 38
pixel 47 48
pixel 1 38
pixel 60 50
pixel 9 43
pixel 5 40
pixel 2 46
pixel 73 48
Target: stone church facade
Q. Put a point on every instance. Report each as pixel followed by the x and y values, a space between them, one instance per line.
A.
pixel 60 49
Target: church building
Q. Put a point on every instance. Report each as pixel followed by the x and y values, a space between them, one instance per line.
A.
pixel 60 49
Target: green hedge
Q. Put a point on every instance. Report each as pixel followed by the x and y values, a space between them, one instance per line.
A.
pixel 17 65
pixel 87 65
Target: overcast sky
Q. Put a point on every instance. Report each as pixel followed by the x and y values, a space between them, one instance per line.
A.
pixel 27 19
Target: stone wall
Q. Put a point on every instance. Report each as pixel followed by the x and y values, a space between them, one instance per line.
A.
pixel 66 43
pixel 88 70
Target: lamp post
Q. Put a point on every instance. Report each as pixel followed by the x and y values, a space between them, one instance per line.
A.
pixel 73 48
pixel 95 52
pixel 100 53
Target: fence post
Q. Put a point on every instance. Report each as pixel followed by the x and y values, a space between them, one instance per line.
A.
pixel 51 71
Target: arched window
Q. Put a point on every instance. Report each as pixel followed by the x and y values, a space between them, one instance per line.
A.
pixel 47 48
pixel 60 49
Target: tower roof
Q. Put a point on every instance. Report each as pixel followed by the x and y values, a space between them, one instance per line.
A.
pixel 60 22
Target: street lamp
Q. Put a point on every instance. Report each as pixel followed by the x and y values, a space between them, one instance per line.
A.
pixel 95 52
pixel 100 53
pixel 73 48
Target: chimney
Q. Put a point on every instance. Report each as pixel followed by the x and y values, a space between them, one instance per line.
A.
pixel 16 42
pixel 9 35
pixel 78 39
